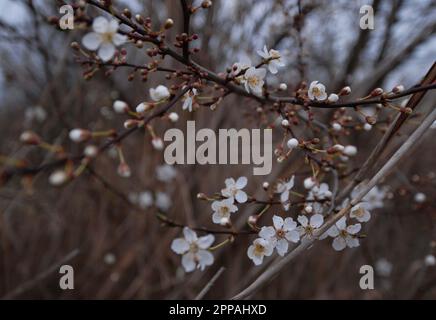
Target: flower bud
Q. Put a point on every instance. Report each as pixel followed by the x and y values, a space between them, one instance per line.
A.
pixel 58 178
pixel 80 135
pixel 370 120
pixel 339 147
pixel 201 196
pixel 285 123
pixel 124 170
pixel 292 143
pixel 120 106
pixel 333 98
pixel 29 137
pixel 336 126
pixel 420 197
pixel 265 185
pixel 157 143
pixel 309 183
pixel 398 89
pixel 131 123
pixel 376 92
pixel 91 151
pixel 350 151
pixel 367 127
pixel 252 220
pixel 173 116
pixel 308 209
pixel 206 4
pixel 168 23
pixel 283 86
pixel 345 91
pixel 143 107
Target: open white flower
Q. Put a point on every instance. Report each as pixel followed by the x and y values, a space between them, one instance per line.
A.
pixel 259 249
pixel 317 91
pixel 272 58
pixel 284 188
pixel 360 212
pixel 234 188
pixel 222 210
pixel 308 227
pixel 374 198
pixel 166 173
pixel 159 93
pixel 194 250
pixel 344 235
pixel 253 80
pixel 104 38
pixel 282 232
pixel 189 99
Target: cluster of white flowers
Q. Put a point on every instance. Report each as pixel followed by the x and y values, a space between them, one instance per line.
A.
pixel 317 92
pixel 280 234
pixel 253 77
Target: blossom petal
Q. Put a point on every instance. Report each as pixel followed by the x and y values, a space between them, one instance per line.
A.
pixel 278 222
pixel 241 196
pixel 272 68
pixel 241 182
pixel 119 39
pixel 333 231
pixel 339 243
pixel 355 228
pixel 303 220
pixel 113 26
pixel 352 242
pixel 100 25
pixel 267 232
pixel 206 241
pixel 282 247
pixel 180 245
pixel 188 262
pixel 289 224
pixel 106 51
pixel 341 223
pixel 189 234
pixel 293 236
pixel 91 41
pixel 205 258
pixel 316 220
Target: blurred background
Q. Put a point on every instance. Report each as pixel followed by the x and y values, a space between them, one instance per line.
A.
pixel 105 226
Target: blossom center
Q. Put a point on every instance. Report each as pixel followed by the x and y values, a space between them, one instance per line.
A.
pixel 193 247
pixel 259 249
pixel 107 37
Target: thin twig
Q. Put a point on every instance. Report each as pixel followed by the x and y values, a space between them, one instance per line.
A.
pixel 210 284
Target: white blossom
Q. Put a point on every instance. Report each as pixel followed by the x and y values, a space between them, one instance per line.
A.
pixel 58 178
pixel 272 58
pixel 234 188
pixel 430 260
pixel 333 97
pixel 104 38
pixel 373 199
pixel 120 106
pixel 308 227
pixel 292 143
pixel 157 143
pixel 166 173
pixel 284 188
pixel 194 250
pixel 159 93
pixel 239 67
pixel 317 91
pixel 173 116
pixel 91 151
pixel 79 135
pixel 344 235
pixel 253 80
pixel 35 113
pixel 259 249
pixel 163 201
pixel 350 151
pixel 309 183
pixel 282 232
pixel 189 99
pixel 283 86
pixel 360 212
pixel 383 267
pixel 222 210
pixel 336 126
pixel 420 197
pixel 367 127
